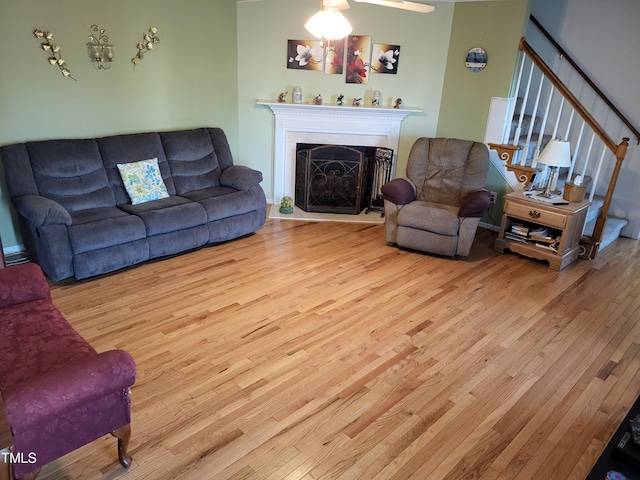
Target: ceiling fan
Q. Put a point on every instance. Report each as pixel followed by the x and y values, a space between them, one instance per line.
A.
pixel 344 4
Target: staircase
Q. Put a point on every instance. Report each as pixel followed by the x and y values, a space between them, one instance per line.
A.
pixel 545 109
pixel 510 156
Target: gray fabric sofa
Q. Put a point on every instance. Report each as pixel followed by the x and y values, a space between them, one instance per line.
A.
pixel 77 219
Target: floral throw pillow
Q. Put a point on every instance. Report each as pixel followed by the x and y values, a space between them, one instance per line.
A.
pixel 143 181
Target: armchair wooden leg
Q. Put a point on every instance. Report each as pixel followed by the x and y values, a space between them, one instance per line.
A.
pixel 123 435
pixel 5 466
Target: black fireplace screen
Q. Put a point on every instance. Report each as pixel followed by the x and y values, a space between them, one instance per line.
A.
pixel 337 178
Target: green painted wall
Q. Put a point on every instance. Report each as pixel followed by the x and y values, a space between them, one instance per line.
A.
pixel 216 58
pixel 263 31
pixel 188 80
pixel 497 28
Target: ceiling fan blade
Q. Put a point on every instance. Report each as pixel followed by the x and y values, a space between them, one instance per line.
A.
pixel 413 6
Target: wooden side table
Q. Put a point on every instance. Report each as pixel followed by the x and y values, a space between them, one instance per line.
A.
pixel 563 223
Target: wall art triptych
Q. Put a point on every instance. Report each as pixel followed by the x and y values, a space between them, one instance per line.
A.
pixel 355 56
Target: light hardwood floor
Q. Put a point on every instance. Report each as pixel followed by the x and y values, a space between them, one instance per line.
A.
pixel 316 351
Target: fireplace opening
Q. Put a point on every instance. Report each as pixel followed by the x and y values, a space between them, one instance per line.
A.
pixel 339 178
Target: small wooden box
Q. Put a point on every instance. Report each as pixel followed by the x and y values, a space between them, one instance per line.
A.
pixel 574 193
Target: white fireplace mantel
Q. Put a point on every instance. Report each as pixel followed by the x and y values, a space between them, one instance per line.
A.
pixel 328 124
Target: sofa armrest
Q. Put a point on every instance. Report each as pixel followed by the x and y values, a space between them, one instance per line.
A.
pixel 22 283
pixel 399 191
pixel 475 204
pixel 49 395
pixel 41 210
pixel 240 177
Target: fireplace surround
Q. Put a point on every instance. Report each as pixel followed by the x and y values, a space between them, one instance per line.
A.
pixel 328 124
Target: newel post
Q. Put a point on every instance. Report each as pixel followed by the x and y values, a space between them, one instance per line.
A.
pixel 598 229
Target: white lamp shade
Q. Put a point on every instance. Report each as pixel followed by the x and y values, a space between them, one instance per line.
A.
pixel 556 154
pixel 329 24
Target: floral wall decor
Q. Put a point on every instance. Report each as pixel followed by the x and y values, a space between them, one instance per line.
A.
pixel 358 55
pixel 334 57
pixel 148 41
pixel 304 55
pixel 53 51
pixel 385 58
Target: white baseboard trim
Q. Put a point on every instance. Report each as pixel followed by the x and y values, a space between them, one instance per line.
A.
pixel 489 226
pixel 14 249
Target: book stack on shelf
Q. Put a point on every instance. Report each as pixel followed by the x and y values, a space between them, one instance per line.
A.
pixel 542 237
pixel 539 236
pixel 518 232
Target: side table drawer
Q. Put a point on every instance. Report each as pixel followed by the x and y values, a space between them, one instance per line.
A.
pixel 534 214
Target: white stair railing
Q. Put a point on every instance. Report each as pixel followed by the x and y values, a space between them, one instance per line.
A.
pixel 559 115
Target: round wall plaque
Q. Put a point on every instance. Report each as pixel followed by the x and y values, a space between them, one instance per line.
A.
pixel 476 59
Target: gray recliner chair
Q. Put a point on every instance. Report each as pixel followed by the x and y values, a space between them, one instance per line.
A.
pixel 438 207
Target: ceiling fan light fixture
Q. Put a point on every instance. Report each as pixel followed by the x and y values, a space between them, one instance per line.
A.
pixel 329 24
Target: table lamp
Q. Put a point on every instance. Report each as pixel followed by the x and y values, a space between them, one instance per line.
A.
pixel 557 154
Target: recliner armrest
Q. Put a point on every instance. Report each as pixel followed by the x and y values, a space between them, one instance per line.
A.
pixel 399 191
pixel 475 204
pixel 49 395
pixel 240 177
pixel 41 210
pixel 22 283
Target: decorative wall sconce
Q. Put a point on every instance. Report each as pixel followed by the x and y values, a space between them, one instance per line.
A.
pixel 147 43
pixel 100 50
pixel 53 51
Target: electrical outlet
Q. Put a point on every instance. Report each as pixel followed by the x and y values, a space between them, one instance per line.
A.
pixel 494 196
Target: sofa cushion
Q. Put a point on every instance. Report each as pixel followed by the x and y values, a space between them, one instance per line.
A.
pixel 204 193
pixel 436 218
pixel 168 214
pixel 231 205
pixel 71 173
pixel 132 148
pixel 143 181
pixel 95 214
pixel 192 159
pixel 105 260
pixel 100 228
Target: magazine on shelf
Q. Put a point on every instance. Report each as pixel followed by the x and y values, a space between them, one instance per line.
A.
pixel 551 247
pixel 517 238
pixel 541 239
pixel 520 229
pixel 540 231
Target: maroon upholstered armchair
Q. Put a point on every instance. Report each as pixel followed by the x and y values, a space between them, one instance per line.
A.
pixel 58 392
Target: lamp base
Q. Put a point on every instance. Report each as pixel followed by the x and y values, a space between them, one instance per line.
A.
pixel 547 194
pixel 547 191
